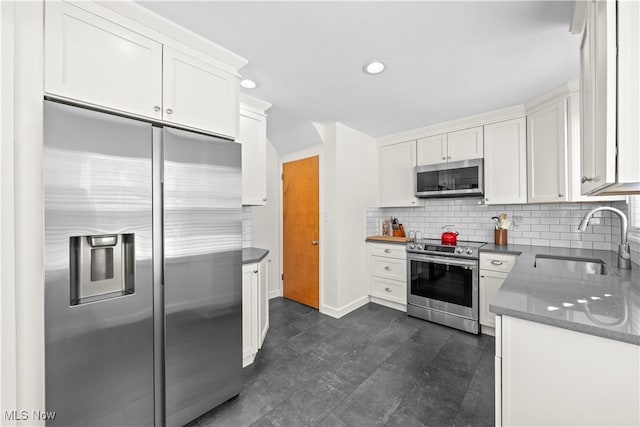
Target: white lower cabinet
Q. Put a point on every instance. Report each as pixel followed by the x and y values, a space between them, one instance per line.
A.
pixel 551 376
pixel 494 269
pixel 388 275
pixel 255 308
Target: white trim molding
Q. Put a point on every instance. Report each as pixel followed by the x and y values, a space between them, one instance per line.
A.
pixel 338 312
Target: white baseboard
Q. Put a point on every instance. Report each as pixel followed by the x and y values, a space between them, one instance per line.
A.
pixel 248 359
pixel 345 309
pixel 275 293
pixel 487 330
pixel 390 304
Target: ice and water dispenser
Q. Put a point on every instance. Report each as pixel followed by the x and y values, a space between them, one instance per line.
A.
pixel 102 267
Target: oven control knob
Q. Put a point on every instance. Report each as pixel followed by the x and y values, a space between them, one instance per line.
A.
pixel 420 246
pixel 412 246
pixel 458 250
pixel 469 251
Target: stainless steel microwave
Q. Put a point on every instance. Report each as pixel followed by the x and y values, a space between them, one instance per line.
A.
pixel 454 179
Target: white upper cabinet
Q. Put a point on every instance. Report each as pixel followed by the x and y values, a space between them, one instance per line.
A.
pixel 96 56
pixel 547 153
pixel 397 174
pixel 198 94
pixel 465 144
pixel 451 147
pixel 432 150
pixel 253 137
pixel 610 65
pixel 93 60
pixel 505 162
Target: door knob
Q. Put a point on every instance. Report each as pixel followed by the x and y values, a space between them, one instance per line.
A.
pixel 169 111
pixel 314 242
pixel 156 108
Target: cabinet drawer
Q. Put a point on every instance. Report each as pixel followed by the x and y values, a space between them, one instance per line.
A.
pixel 497 262
pixel 389 289
pixel 390 251
pixel 390 268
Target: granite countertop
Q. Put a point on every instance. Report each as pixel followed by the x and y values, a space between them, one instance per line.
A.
pixel 607 306
pixel 253 255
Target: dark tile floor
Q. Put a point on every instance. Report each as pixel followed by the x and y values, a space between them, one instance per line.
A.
pixel 374 366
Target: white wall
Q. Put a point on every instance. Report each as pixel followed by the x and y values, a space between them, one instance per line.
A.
pixel 356 188
pixel 265 222
pixel 348 171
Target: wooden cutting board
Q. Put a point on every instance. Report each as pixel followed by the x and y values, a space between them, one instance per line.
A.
pixel 388 239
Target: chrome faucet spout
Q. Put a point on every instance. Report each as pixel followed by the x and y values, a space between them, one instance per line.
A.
pixel 624 251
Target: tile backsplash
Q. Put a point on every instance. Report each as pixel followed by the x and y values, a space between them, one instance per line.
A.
pixel 549 224
pixel 246 226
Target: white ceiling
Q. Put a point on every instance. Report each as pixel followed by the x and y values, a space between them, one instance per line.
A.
pixel 445 59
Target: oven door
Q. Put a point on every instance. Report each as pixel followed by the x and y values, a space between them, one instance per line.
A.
pixel 445 284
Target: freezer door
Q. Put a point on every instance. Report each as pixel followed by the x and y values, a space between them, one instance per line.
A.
pixel 203 273
pixel 98 295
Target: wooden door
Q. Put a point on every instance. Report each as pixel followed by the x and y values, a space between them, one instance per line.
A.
pixel 301 220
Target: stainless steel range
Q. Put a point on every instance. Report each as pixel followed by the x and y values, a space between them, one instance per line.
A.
pixel 442 283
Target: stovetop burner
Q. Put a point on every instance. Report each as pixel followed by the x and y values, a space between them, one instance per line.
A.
pixel 466 249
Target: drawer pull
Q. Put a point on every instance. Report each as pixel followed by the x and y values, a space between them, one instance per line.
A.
pixel 387 251
pixel 386 267
pixel 496 262
pixel 387 289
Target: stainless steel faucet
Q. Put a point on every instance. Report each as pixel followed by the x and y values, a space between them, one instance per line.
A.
pixel 624 252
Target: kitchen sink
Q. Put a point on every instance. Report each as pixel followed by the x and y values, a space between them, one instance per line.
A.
pixel 563 264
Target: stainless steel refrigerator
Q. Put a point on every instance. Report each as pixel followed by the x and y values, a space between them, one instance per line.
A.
pixel 143 259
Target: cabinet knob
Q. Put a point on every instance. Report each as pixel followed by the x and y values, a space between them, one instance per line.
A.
pixel 448 157
pixel 255 271
pixel 444 158
pixel 169 111
pixel 387 289
pixel 585 179
pixel 264 199
pixel 386 267
pixel 560 195
pixel 156 108
pixel 413 202
pixel 387 251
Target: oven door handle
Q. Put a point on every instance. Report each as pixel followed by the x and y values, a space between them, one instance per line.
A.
pixel 470 265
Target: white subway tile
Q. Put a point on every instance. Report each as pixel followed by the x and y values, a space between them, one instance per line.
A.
pixel 540 242
pixel 561 243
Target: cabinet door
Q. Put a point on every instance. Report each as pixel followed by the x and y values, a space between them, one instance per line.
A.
pixel 95 61
pixel 587 105
pixel 465 144
pixel 397 174
pixel 198 94
pixel 263 298
pixel 505 162
pixel 249 313
pixel 432 150
pixel 253 137
pixel 604 83
pixel 490 282
pixel 547 154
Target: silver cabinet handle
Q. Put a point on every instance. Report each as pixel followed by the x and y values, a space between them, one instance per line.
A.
pixel 413 202
pixel 156 108
pixel 387 289
pixel 169 111
pixel 444 158
pixel 386 267
pixel 314 242
pixel 255 271
pixel 585 179
pixel 387 251
pixel 496 262
pixel 560 195
pixel 264 199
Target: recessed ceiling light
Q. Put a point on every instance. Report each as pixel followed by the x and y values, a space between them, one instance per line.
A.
pixel 248 84
pixel 374 67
